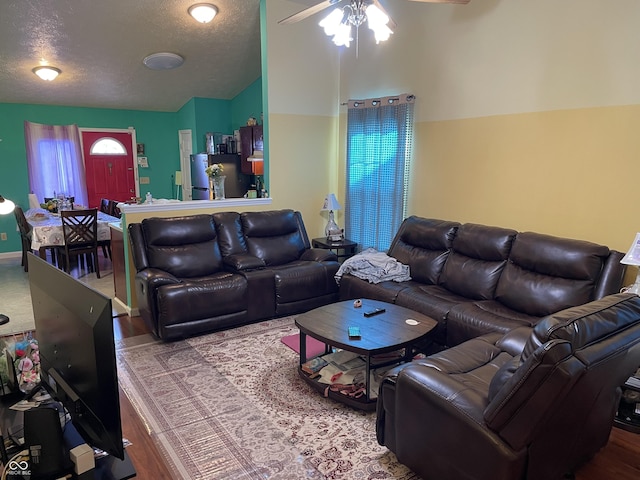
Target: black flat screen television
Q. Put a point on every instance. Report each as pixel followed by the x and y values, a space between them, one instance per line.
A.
pixel 74 329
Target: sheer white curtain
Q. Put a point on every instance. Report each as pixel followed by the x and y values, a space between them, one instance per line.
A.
pixel 54 161
pixel 379 151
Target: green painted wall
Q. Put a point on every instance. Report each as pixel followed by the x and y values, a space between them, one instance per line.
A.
pixel 157 130
pixel 247 104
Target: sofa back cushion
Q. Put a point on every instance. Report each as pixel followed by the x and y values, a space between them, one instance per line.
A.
pixel 183 246
pixel 277 237
pixel 477 259
pixel 230 236
pixel 424 245
pixel 546 274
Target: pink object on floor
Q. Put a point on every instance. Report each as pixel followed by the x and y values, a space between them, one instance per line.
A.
pixel 314 347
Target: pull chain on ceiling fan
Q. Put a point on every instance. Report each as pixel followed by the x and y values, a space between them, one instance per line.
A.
pixel 340 21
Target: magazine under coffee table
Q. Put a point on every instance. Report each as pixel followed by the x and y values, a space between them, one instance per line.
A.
pixel 379 334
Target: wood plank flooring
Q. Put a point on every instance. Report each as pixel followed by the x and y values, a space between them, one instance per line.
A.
pixel 619 460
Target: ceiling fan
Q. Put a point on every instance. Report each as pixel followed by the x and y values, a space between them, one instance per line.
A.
pixel 354 13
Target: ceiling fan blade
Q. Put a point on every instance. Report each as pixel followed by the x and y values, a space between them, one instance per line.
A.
pixel 392 24
pixel 307 12
pixel 463 2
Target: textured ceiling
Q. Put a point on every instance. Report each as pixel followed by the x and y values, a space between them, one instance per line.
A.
pixel 100 45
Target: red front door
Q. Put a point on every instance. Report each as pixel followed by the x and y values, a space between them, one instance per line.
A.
pixel 110 176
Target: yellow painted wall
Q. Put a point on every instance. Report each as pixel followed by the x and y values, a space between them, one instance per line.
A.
pixel 571 173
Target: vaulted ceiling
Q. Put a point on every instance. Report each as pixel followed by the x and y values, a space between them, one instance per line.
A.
pixel 100 45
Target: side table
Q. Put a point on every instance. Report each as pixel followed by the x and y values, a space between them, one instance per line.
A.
pixel 342 248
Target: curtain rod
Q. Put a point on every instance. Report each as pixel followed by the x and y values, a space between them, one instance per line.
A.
pixel 378 101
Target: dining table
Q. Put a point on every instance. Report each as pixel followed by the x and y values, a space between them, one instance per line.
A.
pixel 47 229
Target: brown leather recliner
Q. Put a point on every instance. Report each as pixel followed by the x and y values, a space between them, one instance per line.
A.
pixel 181 283
pixel 532 404
pixel 200 273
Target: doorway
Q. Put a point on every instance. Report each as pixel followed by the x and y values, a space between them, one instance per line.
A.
pixel 110 171
pixel 186 149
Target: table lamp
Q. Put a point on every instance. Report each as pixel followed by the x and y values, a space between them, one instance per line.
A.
pixel 632 257
pixel 6 207
pixel 332 231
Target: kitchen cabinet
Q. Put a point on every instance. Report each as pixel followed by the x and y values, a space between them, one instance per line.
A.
pixel 251 140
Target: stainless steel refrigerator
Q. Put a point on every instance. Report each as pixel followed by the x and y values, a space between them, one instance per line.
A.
pixel 235 185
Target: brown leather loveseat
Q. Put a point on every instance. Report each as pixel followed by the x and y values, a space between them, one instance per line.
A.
pixel 533 404
pixel 201 273
pixel 476 279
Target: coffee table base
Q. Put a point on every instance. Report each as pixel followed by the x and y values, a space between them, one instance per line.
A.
pixel 361 403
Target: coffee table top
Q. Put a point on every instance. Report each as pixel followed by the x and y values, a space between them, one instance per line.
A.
pixel 380 333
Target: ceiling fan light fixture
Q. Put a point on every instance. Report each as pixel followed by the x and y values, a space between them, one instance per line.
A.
pixel 47 73
pixel 331 22
pixel 377 21
pixel 203 12
pixel 343 35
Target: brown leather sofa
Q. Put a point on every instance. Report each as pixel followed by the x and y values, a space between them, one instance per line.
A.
pixel 533 404
pixel 476 279
pixel 201 273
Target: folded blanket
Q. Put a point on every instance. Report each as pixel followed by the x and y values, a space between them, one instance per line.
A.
pixel 375 267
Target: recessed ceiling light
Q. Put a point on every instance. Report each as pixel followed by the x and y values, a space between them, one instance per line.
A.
pixel 47 73
pixel 203 12
pixel 163 61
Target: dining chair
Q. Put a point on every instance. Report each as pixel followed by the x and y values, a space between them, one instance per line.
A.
pixel 114 211
pixel 25 234
pixel 104 206
pixel 80 231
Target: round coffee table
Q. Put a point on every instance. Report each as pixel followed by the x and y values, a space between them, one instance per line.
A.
pixel 382 333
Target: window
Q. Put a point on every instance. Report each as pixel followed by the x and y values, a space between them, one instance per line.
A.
pixel 379 150
pixel 108 146
pixel 54 161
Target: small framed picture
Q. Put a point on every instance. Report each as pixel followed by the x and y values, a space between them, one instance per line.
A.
pixel 140 148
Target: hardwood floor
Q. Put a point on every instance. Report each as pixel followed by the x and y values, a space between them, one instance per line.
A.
pixel 146 458
pixel 619 460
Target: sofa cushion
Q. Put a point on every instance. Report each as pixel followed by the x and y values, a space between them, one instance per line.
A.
pixel 274 236
pixel 471 319
pixel 302 280
pixel 546 274
pixel 202 298
pixel 424 245
pixel 185 247
pixel 476 262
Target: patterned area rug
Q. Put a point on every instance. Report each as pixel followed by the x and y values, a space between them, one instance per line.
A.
pixel 230 405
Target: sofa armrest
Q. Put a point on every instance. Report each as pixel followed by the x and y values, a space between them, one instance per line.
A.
pixel 147 282
pixel 514 341
pixel 242 262
pixel 318 255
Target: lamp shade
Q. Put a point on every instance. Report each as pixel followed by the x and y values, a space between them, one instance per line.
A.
pixel 6 206
pixel 330 203
pixel 632 257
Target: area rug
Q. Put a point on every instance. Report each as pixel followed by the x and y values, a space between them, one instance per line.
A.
pixel 314 347
pixel 230 405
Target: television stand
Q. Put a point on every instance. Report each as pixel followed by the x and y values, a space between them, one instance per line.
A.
pixel 110 468
pixel 107 468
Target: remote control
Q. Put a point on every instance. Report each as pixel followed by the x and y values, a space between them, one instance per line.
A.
pixel 354 332
pixel 373 312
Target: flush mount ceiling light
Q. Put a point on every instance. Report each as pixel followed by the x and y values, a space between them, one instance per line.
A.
pixel 203 12
pixel 47 73
pixel 163 61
